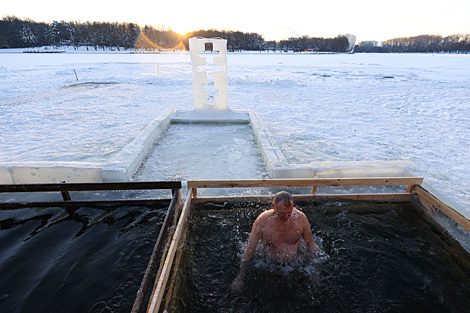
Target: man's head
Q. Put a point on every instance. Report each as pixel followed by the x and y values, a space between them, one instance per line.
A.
pixel 283 204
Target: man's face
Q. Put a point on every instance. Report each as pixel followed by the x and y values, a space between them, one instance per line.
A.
pixel 283 212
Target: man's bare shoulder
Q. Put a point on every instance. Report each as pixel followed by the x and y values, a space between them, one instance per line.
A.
pixel 263 217
pixel 297 214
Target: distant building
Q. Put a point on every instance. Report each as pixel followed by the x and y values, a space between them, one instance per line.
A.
pixel 352 41
pixel 371 43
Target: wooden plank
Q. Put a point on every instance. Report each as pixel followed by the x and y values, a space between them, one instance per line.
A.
pixel 155 253
pixel 175 269
pixel 90 203
pixel 426 204
pixel 64 189
pixel 268 198
pixel 65 195
pixel 449 211
pixel 178 205
pixel 163 258
pixel 156 300
pixel 410 188
pixel 314 188
pixel 90 186
pixel 305 182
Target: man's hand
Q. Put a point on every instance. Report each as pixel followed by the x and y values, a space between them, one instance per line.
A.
pixel 237 285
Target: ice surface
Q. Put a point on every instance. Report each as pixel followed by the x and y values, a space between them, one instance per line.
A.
pixel 123 165
pixel 319 108
pixel 5 176
pixel 55 173
pixel 204 151
pixel 210 116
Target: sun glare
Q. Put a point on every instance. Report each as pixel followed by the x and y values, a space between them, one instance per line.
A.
pixel 182 29
pixel 143 42
pixel 181 32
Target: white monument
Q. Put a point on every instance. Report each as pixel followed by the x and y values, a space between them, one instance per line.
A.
pixel 196 46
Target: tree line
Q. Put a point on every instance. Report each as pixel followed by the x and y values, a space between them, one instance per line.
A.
pixel 26 33
pixel 458 43
pixel 237 41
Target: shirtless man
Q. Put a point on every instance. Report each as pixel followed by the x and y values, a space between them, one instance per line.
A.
pixel 280 230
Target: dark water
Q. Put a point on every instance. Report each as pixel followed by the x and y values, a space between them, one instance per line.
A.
pixel 83 260
pixel 373 257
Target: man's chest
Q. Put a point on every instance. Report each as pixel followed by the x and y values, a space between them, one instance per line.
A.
pixel 282 233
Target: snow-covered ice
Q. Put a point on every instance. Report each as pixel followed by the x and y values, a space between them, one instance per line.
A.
pixel 360 107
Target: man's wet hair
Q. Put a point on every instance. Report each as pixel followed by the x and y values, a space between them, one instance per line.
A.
pixel 283 197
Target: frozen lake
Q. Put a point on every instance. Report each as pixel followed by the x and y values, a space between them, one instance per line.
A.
pixel 361 107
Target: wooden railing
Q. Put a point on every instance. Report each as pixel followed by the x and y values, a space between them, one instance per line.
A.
pixel 194 185
pixel 141 293
pixel 303 182
pixel 431 202
pixel 66 188
pixel 159 290
pixel 411 183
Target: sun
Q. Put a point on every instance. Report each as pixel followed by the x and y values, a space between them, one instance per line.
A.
pixel 181 29
pixel 181 33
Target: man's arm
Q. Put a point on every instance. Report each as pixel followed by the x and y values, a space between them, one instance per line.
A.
pixel 307 235
pixel 255 236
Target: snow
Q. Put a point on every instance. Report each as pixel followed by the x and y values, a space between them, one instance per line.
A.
pixel 321 108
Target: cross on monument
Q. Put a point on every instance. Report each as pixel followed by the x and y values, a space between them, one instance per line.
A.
pixel 216 92
pixel 211 69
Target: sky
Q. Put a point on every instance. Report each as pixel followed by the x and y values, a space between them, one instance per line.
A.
pixel 275 20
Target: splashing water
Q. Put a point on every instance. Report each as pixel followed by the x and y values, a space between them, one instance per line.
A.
pixel 372 257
